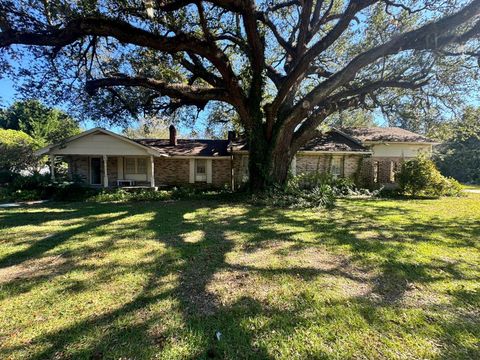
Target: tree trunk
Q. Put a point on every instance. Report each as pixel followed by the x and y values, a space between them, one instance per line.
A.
pixel 269 159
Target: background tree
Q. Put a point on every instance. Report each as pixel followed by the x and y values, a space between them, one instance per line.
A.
pixel 284 67
pixel 148 128
pixel 459 154
pixel 16 152
pixel 44 124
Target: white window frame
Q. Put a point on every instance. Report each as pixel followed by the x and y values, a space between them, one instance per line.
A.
pixel 90 175
pixel 336 168
pixel 136 171
pixel 201 176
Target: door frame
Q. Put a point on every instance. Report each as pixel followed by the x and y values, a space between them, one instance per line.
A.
pixel 91 172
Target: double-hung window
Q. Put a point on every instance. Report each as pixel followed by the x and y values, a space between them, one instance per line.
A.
pixel 135 165
pixel 336 166
pixel 200 170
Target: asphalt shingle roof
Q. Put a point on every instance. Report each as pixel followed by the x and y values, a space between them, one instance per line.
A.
pixel 385 134
pixel 188 147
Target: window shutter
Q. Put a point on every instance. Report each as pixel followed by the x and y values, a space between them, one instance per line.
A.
pixel 192 171
pixel 209 171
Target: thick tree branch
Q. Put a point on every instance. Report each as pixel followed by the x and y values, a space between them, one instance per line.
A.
pixel 432 36
pixel 302 63
pixel 194 95
pixel 347 99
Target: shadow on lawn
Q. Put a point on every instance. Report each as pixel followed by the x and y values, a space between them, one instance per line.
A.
pixel 133 330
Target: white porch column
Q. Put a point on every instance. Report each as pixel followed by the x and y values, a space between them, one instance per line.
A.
pixel 152 171
pixel 52 166
pixel 105 171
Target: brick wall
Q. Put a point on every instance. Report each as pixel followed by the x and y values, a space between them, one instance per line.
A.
pixel 379 171
pixel 170 171
pixel 321 164
pixel 312 163
pixel 78 166
pixel 221 172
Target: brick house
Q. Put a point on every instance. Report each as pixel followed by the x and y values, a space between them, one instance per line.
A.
pixel 105 159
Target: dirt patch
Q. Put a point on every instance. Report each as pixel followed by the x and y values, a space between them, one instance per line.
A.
pixel 31 268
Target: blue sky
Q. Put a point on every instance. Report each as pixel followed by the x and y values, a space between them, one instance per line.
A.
pixel 8 95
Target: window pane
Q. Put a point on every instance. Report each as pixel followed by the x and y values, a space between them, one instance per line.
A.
pixel 201 166
pixel 336 167
pixel 130 165
pixel 141 166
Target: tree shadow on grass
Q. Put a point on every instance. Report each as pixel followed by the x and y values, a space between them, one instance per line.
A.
pixel 139 328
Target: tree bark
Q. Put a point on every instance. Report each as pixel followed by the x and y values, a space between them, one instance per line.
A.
pixel 269 157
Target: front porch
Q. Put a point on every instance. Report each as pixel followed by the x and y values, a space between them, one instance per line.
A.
pixel 109 170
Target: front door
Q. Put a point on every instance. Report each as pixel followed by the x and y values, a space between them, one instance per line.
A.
pixel 95 171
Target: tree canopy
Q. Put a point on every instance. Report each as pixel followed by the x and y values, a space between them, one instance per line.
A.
pixel 459 154
pixel 16 151
pixel 148 128
pixel 46 125
pixel 283 67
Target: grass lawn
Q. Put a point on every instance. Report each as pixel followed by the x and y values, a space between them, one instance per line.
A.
pixel 371 279
pixel 472 187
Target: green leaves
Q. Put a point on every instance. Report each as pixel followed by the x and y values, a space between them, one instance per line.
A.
pixel 44 124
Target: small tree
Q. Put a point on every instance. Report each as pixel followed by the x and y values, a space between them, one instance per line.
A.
pixel 420 177
pixel 16 151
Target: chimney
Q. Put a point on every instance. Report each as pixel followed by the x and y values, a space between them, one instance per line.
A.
pixel 173 135
pixel 232 135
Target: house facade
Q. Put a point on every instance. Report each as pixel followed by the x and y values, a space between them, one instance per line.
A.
pixel 101 158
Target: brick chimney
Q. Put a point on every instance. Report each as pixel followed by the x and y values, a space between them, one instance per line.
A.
pixel 232 135
pixel 173 135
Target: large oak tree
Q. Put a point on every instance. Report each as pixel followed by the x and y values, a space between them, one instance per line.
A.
pixel 282 66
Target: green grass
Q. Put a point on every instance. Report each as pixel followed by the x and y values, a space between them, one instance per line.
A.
pixel 372 279
pixel 471 187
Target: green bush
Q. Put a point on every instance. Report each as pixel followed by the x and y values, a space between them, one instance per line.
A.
pixel 121 195
pixel 38 187
pixel 420 177
pixel 311 190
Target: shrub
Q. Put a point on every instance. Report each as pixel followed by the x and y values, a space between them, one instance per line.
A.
pixel 69 191
pixel 38 186
pixel 311 190
pixel 310 181
pixel 121 195
pixel 420 177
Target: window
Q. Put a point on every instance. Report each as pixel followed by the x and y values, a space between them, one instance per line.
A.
pixel 130 165
pixel 201 170
pixel 135 165
pixel 141 166
pixel 336 167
